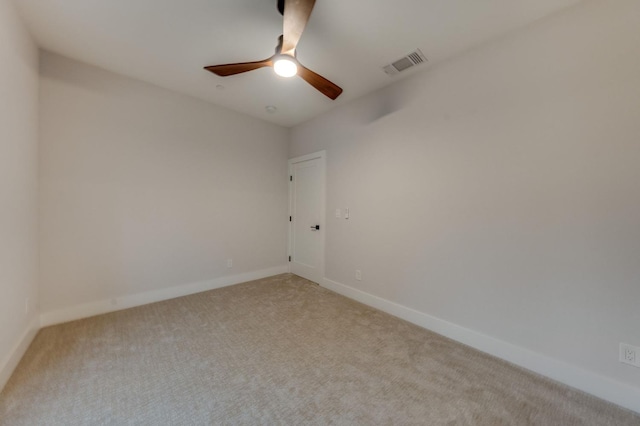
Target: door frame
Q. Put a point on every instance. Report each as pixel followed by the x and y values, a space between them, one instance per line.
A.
pixel 322 156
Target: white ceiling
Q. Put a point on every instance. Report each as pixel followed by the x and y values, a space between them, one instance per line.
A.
pixel 168 42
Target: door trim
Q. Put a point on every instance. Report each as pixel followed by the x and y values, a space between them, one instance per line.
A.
pixel 322 156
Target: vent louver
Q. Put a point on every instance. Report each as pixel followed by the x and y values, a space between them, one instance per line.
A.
pixel 411 60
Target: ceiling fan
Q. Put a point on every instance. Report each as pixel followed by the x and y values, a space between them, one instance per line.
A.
pixel 296 15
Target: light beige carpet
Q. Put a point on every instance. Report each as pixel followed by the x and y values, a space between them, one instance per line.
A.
pixel 276 351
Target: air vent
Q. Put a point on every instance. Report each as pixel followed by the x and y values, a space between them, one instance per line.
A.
pixel 411 60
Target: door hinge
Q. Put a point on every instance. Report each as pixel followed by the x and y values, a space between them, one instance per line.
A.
pixel 289 258
pixel 290 219
pixel 290 178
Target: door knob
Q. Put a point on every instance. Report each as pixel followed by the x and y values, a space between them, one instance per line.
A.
pixel 315 227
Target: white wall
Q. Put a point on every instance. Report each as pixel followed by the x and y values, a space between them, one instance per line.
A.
pixel 143 189
pixel 18 188
pixel 500 191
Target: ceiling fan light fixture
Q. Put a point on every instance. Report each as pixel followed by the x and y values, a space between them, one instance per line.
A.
pixel 285 66
pixel 284 62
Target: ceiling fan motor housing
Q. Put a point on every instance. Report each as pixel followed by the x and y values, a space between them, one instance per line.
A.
pixel 279 48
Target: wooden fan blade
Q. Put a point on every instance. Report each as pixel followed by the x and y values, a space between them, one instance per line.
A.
pixel 319 82
pixel 296 16
pixel 232 69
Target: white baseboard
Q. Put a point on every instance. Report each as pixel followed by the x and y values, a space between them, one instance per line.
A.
pixel 115 304
pixel 618 393
pixel 17 352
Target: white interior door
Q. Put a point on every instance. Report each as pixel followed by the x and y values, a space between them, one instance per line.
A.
pixel 307 230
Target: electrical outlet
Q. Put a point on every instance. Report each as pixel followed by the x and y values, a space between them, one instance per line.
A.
pixel 229 263
pixel 629 355
pixel 358 275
